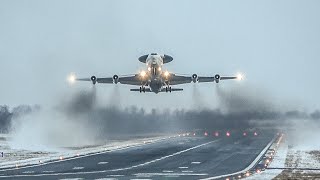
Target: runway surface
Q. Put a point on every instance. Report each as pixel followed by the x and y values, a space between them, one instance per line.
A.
pixel 188 157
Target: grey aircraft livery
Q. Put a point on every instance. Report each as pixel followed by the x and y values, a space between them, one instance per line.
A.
pixel 155 79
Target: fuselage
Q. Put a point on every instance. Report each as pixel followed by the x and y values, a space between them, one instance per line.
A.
pixel 154 74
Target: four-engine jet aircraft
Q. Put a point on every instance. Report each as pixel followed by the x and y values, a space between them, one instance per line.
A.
pixel 155 79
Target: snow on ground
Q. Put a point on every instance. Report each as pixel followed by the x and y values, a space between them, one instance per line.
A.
pixel 278 161
pixel 305 161
pixel 18 157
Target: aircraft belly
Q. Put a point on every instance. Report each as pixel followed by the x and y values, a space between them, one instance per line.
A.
pixel 155 85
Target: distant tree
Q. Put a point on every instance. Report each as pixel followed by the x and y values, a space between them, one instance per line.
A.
pixel 5 119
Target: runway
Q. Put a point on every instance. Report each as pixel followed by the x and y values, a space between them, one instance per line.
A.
pixel 184 157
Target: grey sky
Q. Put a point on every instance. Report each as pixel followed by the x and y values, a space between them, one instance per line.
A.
pixel 275 43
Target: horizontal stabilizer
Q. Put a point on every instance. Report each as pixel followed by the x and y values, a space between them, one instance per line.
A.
pixel 172 89
pixel 163 90
pixel 138 90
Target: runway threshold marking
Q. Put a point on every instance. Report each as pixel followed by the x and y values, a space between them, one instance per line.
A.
pixel 122 169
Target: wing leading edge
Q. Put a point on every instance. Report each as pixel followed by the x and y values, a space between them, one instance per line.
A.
pixel 129 80
pixel 174 79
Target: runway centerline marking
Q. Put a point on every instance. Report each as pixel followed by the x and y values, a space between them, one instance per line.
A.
pixel 128 168
pixel 28 172
pixel 165 157
pixel 48 171
pixel 167 171
pixel 195 162
pixel 116 175
pixel 187 171
pixel 183 167
pixel 78 168
pixel 103 163
pixel 171 174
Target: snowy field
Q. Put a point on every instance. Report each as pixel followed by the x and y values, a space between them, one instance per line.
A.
pixel 17 157
pixel 305 161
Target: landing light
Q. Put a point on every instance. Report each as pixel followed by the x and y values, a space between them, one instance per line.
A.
pixel 72 78
pixel 143 73
pixel 240 77
pixel 166 74
pixel 159 69
pixel 149 68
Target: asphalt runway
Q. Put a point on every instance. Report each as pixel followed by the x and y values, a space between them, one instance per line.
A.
pixel 185 157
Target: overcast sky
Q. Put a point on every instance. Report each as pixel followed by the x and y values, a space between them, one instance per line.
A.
pixel 276 43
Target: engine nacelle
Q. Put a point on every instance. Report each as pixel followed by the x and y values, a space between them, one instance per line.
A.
pixel 93 79
pixel 194 78
pixel 115 79
pixel 217 78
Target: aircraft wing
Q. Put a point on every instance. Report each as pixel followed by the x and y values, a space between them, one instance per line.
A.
pixel 213 78
pixel 174 79
pixel 130 79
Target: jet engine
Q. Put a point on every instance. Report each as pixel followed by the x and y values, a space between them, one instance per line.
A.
pixel 194 78
pixel 93 79
pixel 115 79
pixel 217 78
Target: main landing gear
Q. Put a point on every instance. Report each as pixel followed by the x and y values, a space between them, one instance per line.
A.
pixel 168 89
pixel 142 89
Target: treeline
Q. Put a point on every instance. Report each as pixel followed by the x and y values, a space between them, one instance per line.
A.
pixel 6 115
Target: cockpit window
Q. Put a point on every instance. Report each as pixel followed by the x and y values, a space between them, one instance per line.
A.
pixel 154 54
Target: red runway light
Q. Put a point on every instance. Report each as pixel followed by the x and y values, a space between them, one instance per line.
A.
pixel 216 134
pixel 228 134
pixel 255 133
pixel 244 134
pixel 206 134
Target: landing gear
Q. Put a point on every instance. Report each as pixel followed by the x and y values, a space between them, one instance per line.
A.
pixel 142 89
pixel 168 89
